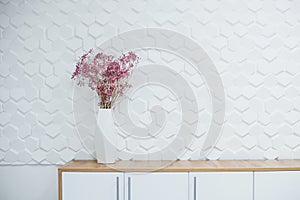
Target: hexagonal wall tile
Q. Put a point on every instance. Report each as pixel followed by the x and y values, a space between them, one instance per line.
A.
pixel 4 144
pixel 11 156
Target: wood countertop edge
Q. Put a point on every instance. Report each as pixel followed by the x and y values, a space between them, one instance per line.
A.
pixel 184 166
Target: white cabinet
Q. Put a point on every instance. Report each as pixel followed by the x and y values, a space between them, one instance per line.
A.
pixel 221 185
pixel 156 186
pixel 92 186
pixel 275 185
pixel 138 186
pixel 283 185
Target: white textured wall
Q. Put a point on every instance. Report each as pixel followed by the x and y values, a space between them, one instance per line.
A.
pixel 254 45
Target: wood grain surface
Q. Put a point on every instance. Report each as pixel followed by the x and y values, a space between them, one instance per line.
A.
pixel 183 166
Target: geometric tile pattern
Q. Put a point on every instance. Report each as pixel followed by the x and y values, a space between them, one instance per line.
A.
pixel 144 129
pixel 255 46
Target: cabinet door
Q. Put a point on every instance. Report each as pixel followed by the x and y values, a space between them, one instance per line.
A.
pixel 92 186
pixel 277 185
pixel 156 186
pixel 221 185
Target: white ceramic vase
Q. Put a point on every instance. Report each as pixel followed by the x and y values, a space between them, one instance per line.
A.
pixel 105 138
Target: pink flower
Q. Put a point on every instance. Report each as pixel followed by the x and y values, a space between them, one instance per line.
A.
pixel 105 74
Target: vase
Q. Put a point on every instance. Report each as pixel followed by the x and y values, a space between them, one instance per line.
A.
pixel 105 137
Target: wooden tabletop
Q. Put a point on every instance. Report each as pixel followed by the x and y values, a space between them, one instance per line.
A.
pixel 182 166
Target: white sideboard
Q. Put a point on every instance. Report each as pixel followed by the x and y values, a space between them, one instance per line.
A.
pixel 277 185
pixel 183 180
